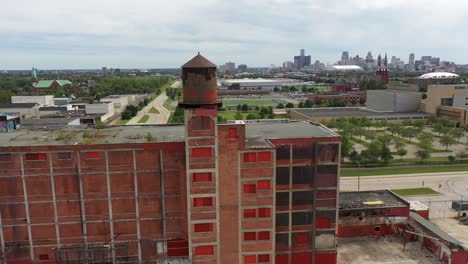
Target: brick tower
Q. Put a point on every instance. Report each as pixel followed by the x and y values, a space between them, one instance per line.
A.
pixel 201 136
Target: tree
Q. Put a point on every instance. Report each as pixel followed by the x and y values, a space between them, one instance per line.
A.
pixel 373 152
pixel 422 154
pixel 385 153
pixel 399 144
pixel 346 146
pixel 457 133
pixel 440 129
pixel 401 152
pixel 308 104
pixel 447 140
pixel 239 107
pixel 419 123
pixel 385 139
pixel 280 106
pixel 370 135
pixel 452 158
pixel 394 128
pixel 355 157
pixel 289 105
pixel 5 96
pixel 462 154
pixel 238 116
pixel 301 104
pixel 252 116
pixel 245 108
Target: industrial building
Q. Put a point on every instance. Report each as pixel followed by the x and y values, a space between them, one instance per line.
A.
pixel 256 84
pixel 449 100
pixel 393 101
pixel 202 192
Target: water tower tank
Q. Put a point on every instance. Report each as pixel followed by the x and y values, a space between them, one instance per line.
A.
pixel 199 82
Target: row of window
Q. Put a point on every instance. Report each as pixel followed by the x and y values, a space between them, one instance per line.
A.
pixel 257 156
pixel 43 156
pixel 261 185
pixel 257 236
pixel 261 258
pixel 259 212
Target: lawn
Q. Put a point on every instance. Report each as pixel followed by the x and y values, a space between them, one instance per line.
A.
pixel 230 115
pixel 153 111
pixel 122 122
pixel 249 102
pixel 401 170
pixel 415 191
pixel 168 104
pixel 144 119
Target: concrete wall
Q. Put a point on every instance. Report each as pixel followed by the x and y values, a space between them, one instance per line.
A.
pixel 24 112
pixel 101 108
pixel 436 92
pixel 393 101
pixel 40 99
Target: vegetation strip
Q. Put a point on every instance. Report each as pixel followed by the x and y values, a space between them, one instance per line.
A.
pixel 415 191
pixel 401 170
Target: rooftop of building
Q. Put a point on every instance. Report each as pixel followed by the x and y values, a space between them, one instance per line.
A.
pixel 356 112
pixel 258 80
pixel 439 75
pixel 345 68
pixel 199 62
pixel 370 199
pixel 48 83
pixel 17 105
pixel 257 134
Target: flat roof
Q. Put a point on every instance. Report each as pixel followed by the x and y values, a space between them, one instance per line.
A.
pixel 432 228
pixel 370 199
pixel 17 105
pixel 356 112
pixel 258 131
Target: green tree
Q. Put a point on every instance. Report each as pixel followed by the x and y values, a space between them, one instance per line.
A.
pixel 252 116
pixel 385 153
pixel 401 152
pixel 457 133
pixel 289 105
pixel 301 104
pixel 423 154
pixel 447 140
pixel 5 96
pixel 239 107
pixel 346 146
pixel 373 152
pixel 245 108
pixel 280 106
pixel 419 123
pixel 308 104
pixel 399 144
pixel 452 158
pixel 394 129
pixel 370 135
pixel 238 116
pixel 355 157
pixel 385 139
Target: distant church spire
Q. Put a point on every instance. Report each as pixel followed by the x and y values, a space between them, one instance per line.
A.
pixel 34 75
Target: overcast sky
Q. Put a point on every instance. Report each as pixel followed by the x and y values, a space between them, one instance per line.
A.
pixel 56 34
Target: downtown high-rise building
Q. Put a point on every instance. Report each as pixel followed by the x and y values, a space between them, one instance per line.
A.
pixel 345 58
pixel 302 60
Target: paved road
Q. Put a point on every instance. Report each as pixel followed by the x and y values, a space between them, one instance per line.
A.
pixel 452 184
pixel 158 103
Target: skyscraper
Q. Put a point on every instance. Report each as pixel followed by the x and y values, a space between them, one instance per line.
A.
pixel 301 61
pixel 345 58
pixel 411 62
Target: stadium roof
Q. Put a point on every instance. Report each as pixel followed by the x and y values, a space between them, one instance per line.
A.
pixel 439 75
pixel 345 68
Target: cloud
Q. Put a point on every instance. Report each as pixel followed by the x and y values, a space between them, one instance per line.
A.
pixel 156 33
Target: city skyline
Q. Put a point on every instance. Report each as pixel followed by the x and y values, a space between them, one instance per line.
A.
pixel 149 34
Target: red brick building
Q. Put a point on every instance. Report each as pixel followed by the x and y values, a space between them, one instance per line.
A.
pixel 262 192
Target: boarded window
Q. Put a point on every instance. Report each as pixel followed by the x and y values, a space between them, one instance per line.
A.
pixel 92 155
pixel 201 123
pixel 250 259
pixel 204 250
pixel 263 258
pixel 202 177
pixel 64 155
pixel 250 188
pixel 201 152
pixel 250 157
pixel 302 238
pixel 282 176
pixel 303 198
pixel 264 185
pixel 44 257
pixel 264 212
pixel 264 156
pixel 205 201
pixel 282 240
pixel 303 175
pixel 36 156
pixel 204 227
pixel 250 213
pixel 249 236
pixel 264 235
pixel 282 219
pixel 5 157
pixel 282 198
pixel 301 218
pixel 232 132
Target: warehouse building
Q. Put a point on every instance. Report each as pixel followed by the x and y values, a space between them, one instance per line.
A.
pixel 393 101
pixel 202 192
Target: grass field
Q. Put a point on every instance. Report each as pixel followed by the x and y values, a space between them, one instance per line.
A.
pixel 153 110
pixel 415 191
pixel 231 115
pixel 249 102
pixel 144 119
pixel 168 104
pixel 401 170
pixel 122 122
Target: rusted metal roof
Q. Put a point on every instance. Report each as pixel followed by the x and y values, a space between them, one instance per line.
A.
pixel 199 62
